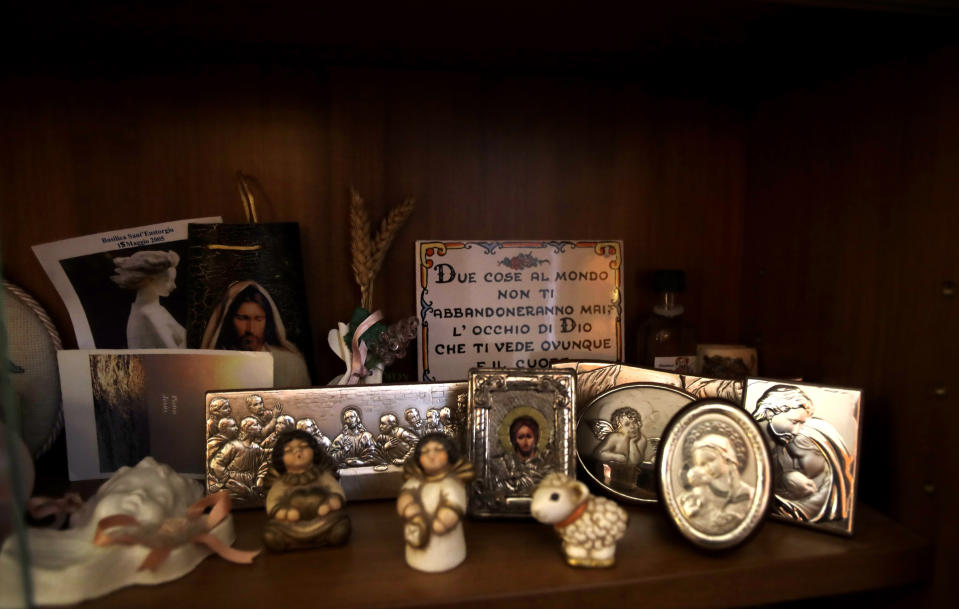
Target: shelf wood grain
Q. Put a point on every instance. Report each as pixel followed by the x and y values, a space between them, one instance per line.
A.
pixel 518 564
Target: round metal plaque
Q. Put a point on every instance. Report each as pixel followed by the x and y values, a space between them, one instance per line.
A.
pixel 617 435
pixel 714 474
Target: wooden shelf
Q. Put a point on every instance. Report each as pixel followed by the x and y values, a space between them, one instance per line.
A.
pixel 518 563
pixel 801 148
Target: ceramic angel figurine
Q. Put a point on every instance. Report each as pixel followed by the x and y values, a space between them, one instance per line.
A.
pixel 305 502
pixel 432 503
pixel 589 526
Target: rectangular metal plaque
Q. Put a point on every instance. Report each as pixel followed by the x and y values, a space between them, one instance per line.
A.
pixel 368 430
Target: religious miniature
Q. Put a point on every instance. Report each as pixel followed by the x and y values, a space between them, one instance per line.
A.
pixel 517 472
pixel 718 499
pixel 239 465
pixel 304 503
pixel 814 469
pixel 394 443
pixel 714 474
pixel 589 526
pixel 355 445
pixel 432 503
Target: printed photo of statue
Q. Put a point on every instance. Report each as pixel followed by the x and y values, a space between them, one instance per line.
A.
pixel 812 467
pixel 152 275
pixel 354 446
pixel 718 499
pixel 520 468
pixel 247 319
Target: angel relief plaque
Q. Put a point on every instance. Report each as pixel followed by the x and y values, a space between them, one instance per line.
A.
pixel 618 433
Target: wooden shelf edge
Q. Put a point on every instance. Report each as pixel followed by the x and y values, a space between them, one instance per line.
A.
pixel 518 564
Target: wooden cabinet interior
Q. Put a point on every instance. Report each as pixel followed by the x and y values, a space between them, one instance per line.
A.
pixel 798 162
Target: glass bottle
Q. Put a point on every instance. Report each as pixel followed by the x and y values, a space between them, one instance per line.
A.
pixel 666 340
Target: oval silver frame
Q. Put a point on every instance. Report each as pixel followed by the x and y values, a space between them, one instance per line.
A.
pixel 671 460
pixel 661 421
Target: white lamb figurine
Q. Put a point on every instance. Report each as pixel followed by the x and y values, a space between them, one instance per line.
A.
pixel 589 526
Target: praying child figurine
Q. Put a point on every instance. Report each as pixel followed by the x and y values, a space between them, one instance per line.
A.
pixel 304 504
pixel 432 503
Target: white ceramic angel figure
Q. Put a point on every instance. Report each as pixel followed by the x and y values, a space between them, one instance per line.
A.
pixel 432 503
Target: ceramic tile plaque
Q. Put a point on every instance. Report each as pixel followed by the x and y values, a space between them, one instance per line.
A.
pixel 516 304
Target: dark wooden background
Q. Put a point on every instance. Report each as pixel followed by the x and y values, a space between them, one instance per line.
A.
pixel 799 163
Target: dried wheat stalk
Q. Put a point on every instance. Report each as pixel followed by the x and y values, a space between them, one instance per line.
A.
pixel 360 244
pixel 389 227
pixel 369 253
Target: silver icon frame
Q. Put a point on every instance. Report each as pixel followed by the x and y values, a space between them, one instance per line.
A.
pixel 497 397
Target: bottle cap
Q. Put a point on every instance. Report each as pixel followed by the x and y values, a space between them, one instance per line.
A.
pixel 669 280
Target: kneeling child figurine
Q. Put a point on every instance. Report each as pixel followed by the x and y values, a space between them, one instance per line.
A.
pixel 304 504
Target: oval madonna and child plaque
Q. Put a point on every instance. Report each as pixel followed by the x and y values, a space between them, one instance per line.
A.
pixel 714 474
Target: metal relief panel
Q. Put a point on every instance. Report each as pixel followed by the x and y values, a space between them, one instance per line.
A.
pixel 520 426
pixel 812 433
pixel 369 431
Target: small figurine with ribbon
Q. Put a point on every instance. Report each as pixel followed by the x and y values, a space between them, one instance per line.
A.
pixel 589 526
pixel 366 345
pixel 305 502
